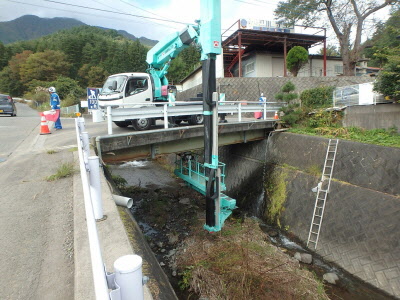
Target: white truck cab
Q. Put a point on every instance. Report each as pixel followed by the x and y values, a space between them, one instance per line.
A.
pixel 126 88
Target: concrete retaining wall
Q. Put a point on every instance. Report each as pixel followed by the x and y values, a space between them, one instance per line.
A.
pixel 250 88
pixel 373 116
pixel 361 227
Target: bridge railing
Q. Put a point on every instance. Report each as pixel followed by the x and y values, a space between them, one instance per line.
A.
pixel 156 110
pixel 127 281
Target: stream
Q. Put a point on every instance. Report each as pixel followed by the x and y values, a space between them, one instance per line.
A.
pixel 156 181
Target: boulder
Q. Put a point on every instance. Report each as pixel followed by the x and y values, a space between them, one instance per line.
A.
pixel 303 257
pixel 331 278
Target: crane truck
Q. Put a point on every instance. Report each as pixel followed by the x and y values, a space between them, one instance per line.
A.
pixel 153 86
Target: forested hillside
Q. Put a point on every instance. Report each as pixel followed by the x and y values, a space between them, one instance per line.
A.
pixel 30 27
pixel 74 59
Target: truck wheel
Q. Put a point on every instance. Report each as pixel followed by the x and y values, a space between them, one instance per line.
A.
pixel 122 124
pixel 142 124
pixel 196 120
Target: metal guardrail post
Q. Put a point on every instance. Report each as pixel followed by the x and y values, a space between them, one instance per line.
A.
pixel 165 116
pixel 85 146
pixel 81 124
pixel 95 187
pixel 265 111
pixel 109 119
pixel 128 276
pixel 240 112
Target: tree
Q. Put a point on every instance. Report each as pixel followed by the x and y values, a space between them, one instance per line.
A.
pixel 44 66
pixel 344 16
pixel 388 81
pixel 296 58
pixel 331 50
pixel 384 40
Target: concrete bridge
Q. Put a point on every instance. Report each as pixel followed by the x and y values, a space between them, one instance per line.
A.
pixel 140 144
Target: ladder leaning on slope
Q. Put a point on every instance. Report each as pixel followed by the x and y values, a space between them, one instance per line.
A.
pixel 322 190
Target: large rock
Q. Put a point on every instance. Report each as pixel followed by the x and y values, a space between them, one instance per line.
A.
pixel 331 278
pixel 303 257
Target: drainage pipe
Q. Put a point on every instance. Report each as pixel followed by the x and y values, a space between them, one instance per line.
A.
pixel 123 201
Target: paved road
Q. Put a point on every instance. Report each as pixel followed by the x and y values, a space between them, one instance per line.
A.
pixel 36 221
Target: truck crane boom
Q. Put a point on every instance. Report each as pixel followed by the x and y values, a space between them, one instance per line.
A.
pixel 160 56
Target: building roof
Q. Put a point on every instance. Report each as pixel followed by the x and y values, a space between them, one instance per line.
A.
pixel 272 41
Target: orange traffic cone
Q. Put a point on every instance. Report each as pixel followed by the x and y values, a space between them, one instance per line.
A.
pixel 276 117
pixel 44 128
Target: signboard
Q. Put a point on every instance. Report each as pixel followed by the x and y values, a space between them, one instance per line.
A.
pixel 92 98
pixel 264 25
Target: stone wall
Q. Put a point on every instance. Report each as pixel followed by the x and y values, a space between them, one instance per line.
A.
pixel 361 228
pixel 250 88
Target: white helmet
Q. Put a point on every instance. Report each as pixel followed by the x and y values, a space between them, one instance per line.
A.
pixel 52 89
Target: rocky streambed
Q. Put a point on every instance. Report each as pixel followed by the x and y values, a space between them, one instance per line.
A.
pixel 246 259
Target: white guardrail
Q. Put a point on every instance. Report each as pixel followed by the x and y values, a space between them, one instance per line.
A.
pixel 126 283
pixel 163 111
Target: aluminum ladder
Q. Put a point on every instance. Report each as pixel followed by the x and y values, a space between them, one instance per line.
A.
pixel 322 190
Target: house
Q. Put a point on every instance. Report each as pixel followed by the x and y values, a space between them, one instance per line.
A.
pixel 258 48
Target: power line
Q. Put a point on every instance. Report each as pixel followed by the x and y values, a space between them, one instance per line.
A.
pixel 113 12
pixel 255 4
pixel 130 4
pixel 154 22
pixel 80 12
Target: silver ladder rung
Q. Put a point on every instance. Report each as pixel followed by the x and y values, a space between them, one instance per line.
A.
pixel 319 210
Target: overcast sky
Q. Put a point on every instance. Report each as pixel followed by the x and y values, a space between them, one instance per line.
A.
pixel 179 11
pixel 185 11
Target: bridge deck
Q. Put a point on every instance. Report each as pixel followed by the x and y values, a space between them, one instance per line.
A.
pixel 141 144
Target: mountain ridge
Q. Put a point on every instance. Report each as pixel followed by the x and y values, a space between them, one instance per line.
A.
pixel 30 27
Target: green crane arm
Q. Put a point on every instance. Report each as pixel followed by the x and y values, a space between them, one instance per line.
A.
pixel 160 56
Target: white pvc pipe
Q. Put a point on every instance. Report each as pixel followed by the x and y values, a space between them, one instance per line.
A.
pixel 95 187
pixel 128 276
pixel 109 119
pixel 123 201
pixel 98 272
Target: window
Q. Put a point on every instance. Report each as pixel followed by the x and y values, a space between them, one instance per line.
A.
pixel 136 85
pixel 249 68
pixel 339 69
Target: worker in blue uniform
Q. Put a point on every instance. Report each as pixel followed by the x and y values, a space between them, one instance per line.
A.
pixel 55 104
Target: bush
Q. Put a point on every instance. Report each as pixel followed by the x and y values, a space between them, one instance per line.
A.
pixel 323 118
pixel 286 93
pixel 293 114
pixel 317 97
pixel 66 87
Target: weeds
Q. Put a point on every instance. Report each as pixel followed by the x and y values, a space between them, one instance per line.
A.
pixel 243 266
pixel 382 137
pixel 314 170
pixel 51 151
pixel 119 181
pixel 65 170
pixel 275 190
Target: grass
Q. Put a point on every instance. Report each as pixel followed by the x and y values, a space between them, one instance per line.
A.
pixel 65 170
pixel 51 151
pixel 242 266
pixel 382 137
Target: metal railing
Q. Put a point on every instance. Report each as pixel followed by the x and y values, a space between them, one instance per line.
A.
pixel 69 109
pixel 122 112
pixel 127 281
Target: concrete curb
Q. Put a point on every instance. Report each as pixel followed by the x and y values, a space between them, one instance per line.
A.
pixel 114 242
